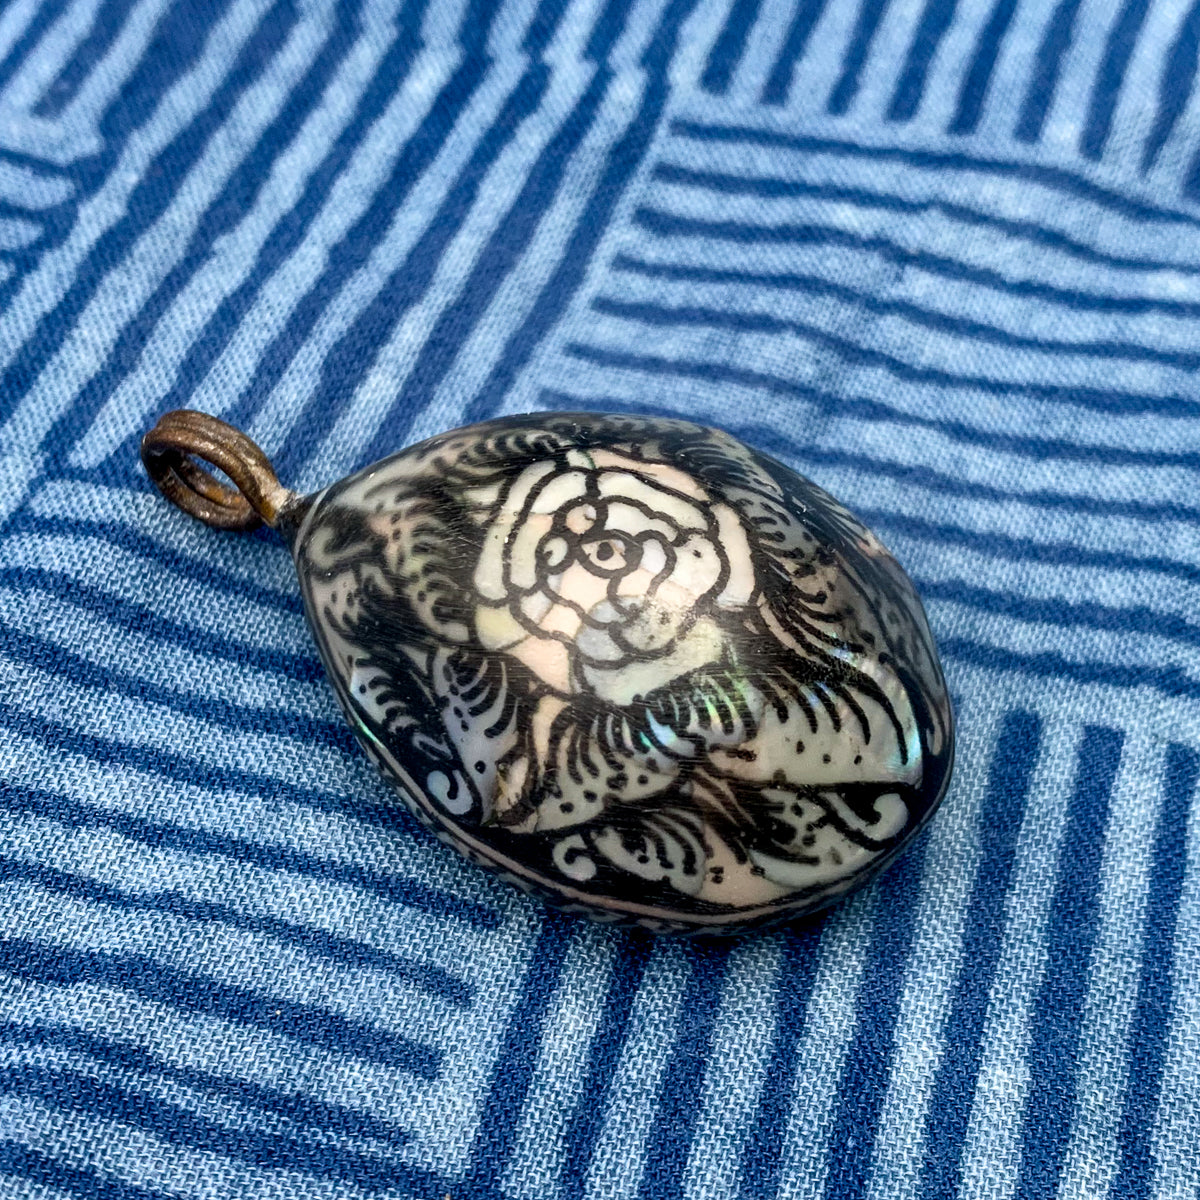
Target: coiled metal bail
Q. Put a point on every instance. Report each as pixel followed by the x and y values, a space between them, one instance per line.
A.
pixel 169 452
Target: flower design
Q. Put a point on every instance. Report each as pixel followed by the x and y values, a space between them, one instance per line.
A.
pixel 606 575
pixel 631 663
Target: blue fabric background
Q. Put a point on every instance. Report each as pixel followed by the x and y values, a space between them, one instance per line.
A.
pixel 941 255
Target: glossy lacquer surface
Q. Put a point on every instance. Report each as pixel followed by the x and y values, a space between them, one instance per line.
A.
pixel 634 666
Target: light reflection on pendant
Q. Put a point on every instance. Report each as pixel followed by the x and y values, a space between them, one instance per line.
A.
pixel 628 663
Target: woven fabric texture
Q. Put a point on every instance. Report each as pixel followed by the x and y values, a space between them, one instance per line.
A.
pixel 942 256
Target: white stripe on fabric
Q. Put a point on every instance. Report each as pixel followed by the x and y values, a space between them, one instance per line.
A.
pixel 54 48
pixel 131 281
pixel 138 869
pixel 1015 197
pixel 265 966
pixel 1013 516
pixel 991 1153
pixel 522 287
pixel 234 255
pixel 98 563
pixel 555 1091
pixel 140 659
pixel 356 187
pixel 763 45
pixel 44 287
pixel 140 1159
pixel 267 565
pixel 1176 1140
pixel 697 37
pixel 818 71
pixel 899 441
pixel 242 823
pixel 97 712
pixel 14 20
pixel 951 862
pixel 274 421
pixel 106 76
pixel 949 65
pixel 736 1065
pixel 1137 107
pixel 1014 67
pixel 499 190
pixel 618 1160
pixel 29 190
pixel 886 61
pixel 828 1030
pixel 1079 66
pixel 1092 1157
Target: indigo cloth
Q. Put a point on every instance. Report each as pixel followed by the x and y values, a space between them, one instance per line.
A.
pixel 942 256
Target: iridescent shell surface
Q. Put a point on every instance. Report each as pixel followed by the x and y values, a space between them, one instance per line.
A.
pixel 632 665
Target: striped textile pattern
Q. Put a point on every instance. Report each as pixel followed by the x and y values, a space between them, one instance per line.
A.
pixel 942 256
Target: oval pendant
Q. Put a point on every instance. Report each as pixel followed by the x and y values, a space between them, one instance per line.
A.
pixel 632 665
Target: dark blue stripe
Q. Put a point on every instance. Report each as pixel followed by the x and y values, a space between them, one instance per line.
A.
pixel 44 15
pixel 670 1136
pixel 269 1149
pixel 350 952
pixel 44 1171
pixel 224 213
pixel 982 331
pixel 860 409
pixel 978 78
pixel 146 204
pixel 293 1107
pixel 132 617
pixel 476 28
pixel 623 160
pixel 169 564
pixel 630 960
pixel 1054 177
pixel 1064 614
pixel 666 224
pixel 870 14
pixel 511 1076
pixel 1169 680
pixel 1002 811
pixel 197 841
pixel 493 264
pixel 1158 982
pixel 62 966
pixel 74 671
pixel 290 230
pixel 1043 81
pixel 869 1058
pixel 1018 549
pixel 178 40
pixel 1179 73
pixel 110 17
pixel 356 245
pixel 762 1151
pixel 608 28
pixel 351 357
pixel 804 21
pixel 729 47
pixel 660 316
pixel 1040 236
pixel 1070 940
pixel 1107 86
pixel 543 27
pixel 935 20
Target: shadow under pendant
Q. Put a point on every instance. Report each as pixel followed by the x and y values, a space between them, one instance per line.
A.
pixel 632 665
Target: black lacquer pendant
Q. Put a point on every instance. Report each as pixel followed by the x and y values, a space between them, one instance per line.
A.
pixel 630 664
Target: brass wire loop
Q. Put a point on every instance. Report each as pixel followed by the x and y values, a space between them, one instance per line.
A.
pixel 169 452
